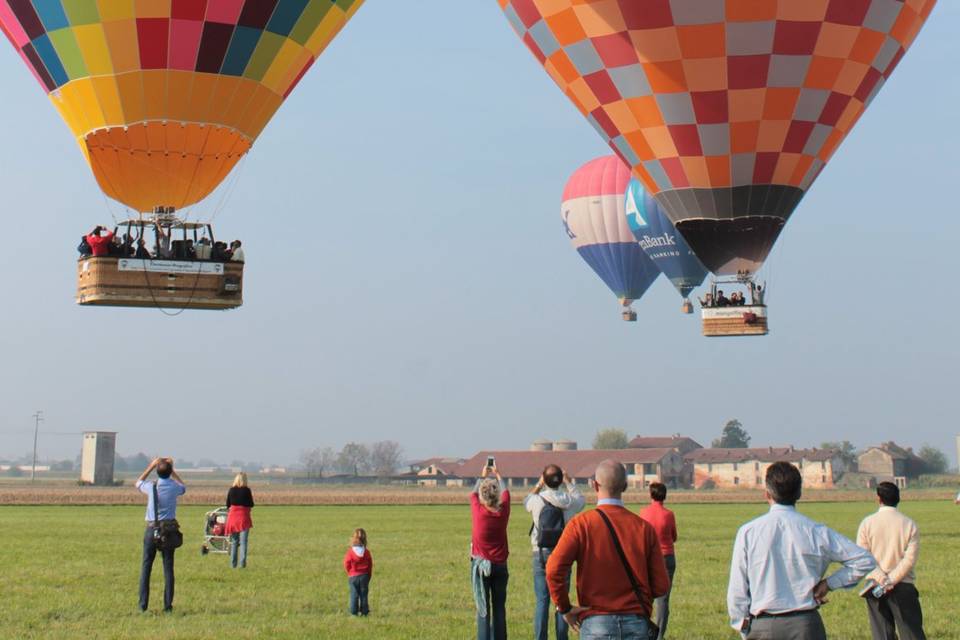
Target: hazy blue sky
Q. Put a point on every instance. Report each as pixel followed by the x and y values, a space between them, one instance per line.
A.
pixel 408 277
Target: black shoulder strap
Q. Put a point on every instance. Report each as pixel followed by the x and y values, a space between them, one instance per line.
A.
pixel 623 557
pixel 156 506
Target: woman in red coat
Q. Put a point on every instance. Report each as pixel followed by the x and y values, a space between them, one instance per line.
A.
pixel 240 502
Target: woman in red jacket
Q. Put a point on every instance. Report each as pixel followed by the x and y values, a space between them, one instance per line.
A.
pixel 490 509
pixel 240 502
pixel 358 564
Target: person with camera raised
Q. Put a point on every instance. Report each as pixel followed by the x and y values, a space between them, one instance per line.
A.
pixel 162 496
pixel 551 503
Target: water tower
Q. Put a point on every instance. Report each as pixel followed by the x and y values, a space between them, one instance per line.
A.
pixel 565 445
pixel 541 445
pixel 96 462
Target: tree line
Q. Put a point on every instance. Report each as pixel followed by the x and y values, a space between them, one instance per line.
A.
pixel 381 459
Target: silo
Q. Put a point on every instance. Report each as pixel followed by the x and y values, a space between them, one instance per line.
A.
pixel 96 464
pixel 565 445
pixel 541 445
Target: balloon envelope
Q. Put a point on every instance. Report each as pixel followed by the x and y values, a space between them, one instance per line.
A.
pixel 660 241
pixel 593 218
pixel 727 111
pixel 165 96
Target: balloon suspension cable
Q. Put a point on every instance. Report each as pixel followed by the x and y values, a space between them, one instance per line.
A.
pixel 228 190
pixel 165 217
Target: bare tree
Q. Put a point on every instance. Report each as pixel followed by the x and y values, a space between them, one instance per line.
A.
pixel 318 461
pixel 353 458
pixel 385 457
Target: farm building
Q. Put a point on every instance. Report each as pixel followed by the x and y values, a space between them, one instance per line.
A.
pixel 681 444
pixel 434 472
pixel 890 462
pixel 523 468
pixel 97 457
pixel 746 468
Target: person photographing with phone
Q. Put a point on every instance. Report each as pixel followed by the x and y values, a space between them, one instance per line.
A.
pixel 161 517
pixel 490 512
pixel 552 503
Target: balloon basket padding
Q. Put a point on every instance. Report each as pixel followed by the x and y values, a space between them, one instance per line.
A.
pixel 101 282
pixel 749 320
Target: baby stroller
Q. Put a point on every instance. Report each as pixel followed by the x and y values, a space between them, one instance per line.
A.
pixel 215 538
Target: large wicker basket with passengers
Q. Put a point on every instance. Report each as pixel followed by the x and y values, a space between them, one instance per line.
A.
pixel 161 261
pixel 734 315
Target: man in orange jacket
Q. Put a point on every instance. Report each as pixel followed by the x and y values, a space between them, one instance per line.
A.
pixel 615 597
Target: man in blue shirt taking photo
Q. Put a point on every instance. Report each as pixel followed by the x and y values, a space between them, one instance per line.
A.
pixel 169 487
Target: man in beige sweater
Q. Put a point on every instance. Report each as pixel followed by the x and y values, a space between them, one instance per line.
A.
pixel 894 541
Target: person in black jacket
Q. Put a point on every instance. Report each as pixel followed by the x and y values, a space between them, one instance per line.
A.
pixel 239 502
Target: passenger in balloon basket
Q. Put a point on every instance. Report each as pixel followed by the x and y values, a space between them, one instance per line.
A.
pixel 202 250
pixel 236 251
pixel 142 252
pixel 706 301
pixel 100 244
pixel 722 300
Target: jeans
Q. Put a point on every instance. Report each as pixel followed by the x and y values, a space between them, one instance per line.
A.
pixel 541 615
pixel 359 588
pixel 239 540
pixel 614 627
pixel 663 602
pixel 494 625
pixel 149 554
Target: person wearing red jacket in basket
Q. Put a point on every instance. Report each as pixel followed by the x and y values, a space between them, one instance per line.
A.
pixel 99 245
pixel 358 563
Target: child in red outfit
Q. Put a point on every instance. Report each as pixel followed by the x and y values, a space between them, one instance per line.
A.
pixel 358 563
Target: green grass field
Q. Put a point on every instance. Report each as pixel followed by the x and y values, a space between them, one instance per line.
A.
pixel 71 572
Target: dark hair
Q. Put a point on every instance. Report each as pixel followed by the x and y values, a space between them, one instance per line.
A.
pixel 552 476
pixel 658 491
pixel 164 469
pixel 888 493
pixel 784 483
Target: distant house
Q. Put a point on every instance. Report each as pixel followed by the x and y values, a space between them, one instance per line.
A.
pixel 523 468
pixel 434 472
pixel 890 462
pixel 746 468
pixel 681 444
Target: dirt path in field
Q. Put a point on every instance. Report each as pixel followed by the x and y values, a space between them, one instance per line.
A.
pixel 275 494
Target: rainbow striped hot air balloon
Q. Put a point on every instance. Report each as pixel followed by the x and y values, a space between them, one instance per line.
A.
pixel 165 96
pixel 593 218
pixel 727 110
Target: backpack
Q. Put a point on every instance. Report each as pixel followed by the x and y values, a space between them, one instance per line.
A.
pixel 549 525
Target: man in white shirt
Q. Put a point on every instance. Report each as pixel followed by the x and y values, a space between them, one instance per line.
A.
pixel 555 491
pixel 894 541
pixel 236 254
pixel 779 559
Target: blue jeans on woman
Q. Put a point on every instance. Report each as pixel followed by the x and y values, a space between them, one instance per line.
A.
pixel 614 627
pixel 494 625
pixel 239 540
pixel 359 589
pixel 541 615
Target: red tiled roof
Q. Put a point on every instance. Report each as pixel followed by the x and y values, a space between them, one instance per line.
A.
pixel 579 464
pixel 761 454
pixel 662 442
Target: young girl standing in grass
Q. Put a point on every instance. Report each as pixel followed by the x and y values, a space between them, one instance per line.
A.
pixel 359 566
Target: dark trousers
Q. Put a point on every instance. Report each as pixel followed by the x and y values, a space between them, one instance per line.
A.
pixel 149 554
pixel 359 589
pixel 801 626
pixel 663 602
pixel 494 625
pixel 897 611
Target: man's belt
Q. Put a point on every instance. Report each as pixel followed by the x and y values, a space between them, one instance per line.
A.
pixel 785 614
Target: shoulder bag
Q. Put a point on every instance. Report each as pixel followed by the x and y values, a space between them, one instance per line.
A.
pixel 166 533
pixel 654 630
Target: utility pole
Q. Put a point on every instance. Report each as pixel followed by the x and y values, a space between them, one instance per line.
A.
pixel 37 419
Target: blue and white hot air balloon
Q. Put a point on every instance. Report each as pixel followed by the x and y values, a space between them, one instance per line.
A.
pixel 660 241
